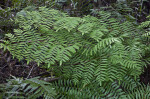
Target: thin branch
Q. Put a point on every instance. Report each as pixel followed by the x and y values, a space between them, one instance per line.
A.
pixel 30 71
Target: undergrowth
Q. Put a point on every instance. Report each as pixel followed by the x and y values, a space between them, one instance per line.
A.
pixel 94 57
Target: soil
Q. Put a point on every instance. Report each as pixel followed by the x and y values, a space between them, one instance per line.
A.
pixel 12 67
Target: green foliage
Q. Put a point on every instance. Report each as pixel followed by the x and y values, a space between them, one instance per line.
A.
pixel 127 89
pixel 9 8
pixel 146 23
pixel 91 55
pixel 75 7
pixel 49 36
pixel 145 27
pixel 66 89
pixel 130 10
pixel 29 88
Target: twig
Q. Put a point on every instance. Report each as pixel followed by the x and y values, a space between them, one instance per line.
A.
pixel 30 71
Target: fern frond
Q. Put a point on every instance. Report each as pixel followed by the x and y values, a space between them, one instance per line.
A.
pixel 29 88
pixel 68 23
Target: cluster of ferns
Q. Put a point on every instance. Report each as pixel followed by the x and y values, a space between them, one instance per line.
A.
pixel 93 57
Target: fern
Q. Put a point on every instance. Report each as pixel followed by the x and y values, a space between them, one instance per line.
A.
pixel 29 88
pixel 140 93
pixel 145 24
pixel 56 39
pixel 127 89
pixel 81 50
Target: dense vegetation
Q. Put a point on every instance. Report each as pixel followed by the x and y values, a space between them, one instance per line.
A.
pixel 90 49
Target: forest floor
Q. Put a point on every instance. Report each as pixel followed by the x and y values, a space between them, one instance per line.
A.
pixel 12 67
